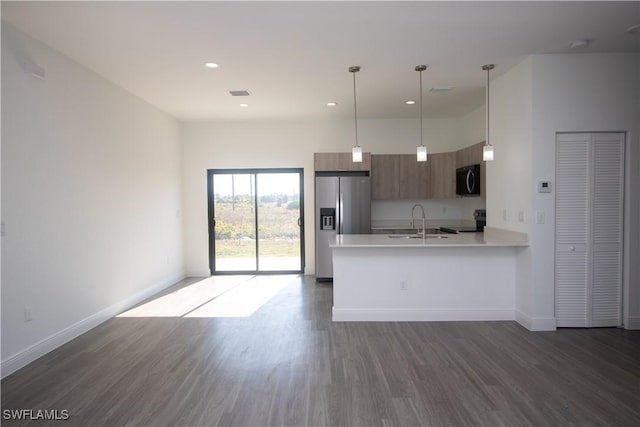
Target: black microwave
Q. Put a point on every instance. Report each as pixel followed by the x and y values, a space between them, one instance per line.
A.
pixel 468 181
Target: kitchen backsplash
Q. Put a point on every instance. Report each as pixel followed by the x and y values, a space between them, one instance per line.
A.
pixel 458 209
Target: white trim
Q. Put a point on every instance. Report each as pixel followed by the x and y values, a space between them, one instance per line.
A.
pixel 418 315
pixel 50 343
pixel 633 323
pixel 536 323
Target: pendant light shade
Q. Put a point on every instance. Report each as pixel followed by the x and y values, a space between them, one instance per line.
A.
pixel 356 152
pixel 487 153
pixel 487 150
pixel 421 152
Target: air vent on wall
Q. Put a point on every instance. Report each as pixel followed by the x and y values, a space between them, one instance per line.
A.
pixel 239 92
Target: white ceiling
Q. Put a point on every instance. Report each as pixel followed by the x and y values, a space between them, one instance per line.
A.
pixel 293 57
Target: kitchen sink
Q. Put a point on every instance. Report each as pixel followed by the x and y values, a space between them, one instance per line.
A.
pixel 406 231
pixel 417 236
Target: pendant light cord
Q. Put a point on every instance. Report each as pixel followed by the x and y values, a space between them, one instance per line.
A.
pixel 421 140
pixel 487 102
pixel 355 103
pixel 488 68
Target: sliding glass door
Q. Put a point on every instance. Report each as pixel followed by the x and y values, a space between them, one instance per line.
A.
pixel 256 221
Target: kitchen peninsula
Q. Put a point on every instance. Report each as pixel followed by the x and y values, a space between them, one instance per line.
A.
pixel 453 277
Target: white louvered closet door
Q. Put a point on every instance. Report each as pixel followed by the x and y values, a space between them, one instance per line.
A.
pixel 572 225
pixel 607 230
pixel 589 205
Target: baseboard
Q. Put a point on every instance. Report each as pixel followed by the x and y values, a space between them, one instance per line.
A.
pixel 198 273
pixel 633 322
pixel 418 315
pixel 50 343
pixel 536 323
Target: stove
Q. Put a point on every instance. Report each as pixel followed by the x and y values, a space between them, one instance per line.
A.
pixel 480 215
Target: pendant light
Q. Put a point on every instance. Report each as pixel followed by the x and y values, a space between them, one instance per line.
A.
pixel 487 150
pixel 421 152
pixel 356 152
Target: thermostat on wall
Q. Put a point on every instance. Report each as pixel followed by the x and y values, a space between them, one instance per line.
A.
pixel 544 186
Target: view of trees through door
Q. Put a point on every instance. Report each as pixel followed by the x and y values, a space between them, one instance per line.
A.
pixel 256 221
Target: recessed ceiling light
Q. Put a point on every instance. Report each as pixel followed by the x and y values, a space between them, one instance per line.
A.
pixel 244 105
pixel 331 104
pixel 211 65
pixel 579 43
pixel 410 102
pixel 632 29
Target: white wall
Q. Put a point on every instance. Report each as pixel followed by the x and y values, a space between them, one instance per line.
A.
pixel 588 92
pixel 511 123
pixel 543 95
pixel 471 129
pixel 91 199
pixel 509 175
pixel 288 144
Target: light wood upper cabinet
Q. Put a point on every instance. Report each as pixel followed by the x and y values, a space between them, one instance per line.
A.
pixel 442 182
pixel 471 155
pixel 335 162
pixel 402 177
pixel 413 177
pixel 399 176
pixel 385 182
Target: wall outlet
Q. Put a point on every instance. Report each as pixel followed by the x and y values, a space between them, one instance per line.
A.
pixel 521 216
pixel 504 214
pixel 540 217
pixel 403 285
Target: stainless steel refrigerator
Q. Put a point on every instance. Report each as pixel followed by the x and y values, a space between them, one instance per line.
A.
pixel 343 206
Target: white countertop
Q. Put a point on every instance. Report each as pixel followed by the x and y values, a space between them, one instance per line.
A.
pixel 492 237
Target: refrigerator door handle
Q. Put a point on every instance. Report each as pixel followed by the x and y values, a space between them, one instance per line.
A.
pixel 341 213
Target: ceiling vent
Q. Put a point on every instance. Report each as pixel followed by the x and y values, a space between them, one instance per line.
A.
pixel 239 92
pixel 440 89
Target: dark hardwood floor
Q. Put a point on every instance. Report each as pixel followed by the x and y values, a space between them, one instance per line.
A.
pixel 289 364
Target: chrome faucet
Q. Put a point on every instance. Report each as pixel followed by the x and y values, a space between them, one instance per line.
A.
pixel 413 225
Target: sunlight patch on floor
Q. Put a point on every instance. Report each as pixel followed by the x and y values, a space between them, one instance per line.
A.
pixel 244 299
pixel 184 300
pixel 280 263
